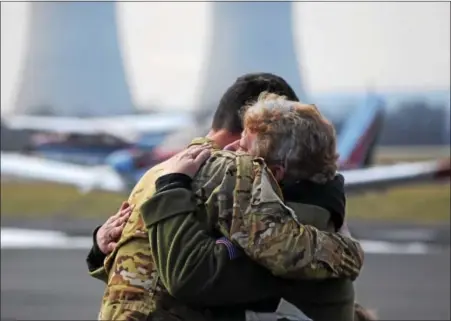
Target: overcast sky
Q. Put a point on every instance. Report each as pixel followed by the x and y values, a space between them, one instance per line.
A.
pixel 344 47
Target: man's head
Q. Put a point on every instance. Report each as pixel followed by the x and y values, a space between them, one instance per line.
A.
pixel 227 124
pixel 246 89
pixel 295 140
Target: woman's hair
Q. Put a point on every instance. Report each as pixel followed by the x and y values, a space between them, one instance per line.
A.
pixel 293 135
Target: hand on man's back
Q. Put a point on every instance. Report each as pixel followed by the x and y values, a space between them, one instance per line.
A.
pixel 110 232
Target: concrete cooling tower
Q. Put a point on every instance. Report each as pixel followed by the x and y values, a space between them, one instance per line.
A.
pixel 249 37
pixel 73 64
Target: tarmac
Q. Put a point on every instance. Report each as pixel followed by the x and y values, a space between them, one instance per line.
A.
pixel 53 284
pixel 44 276
pixel 374 230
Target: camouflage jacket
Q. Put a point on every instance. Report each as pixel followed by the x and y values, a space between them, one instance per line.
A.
pixel 248 208
pixel 245 204
pixel 133 288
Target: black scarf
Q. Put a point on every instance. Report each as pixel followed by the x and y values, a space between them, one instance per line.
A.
pixel 330 196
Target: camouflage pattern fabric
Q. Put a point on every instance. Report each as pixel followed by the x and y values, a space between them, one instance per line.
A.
pixel 250 211
pixel 134 290
pixel 245 204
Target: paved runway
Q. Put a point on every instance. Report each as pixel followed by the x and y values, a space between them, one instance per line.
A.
pixel 45 284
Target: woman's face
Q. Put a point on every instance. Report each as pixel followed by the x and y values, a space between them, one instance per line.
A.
pixel 244 144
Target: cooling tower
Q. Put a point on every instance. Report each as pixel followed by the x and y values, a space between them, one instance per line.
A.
pixel 73 64
pixel 249 37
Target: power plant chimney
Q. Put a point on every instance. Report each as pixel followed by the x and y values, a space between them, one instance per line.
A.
pixel 249 37
pixel 73 64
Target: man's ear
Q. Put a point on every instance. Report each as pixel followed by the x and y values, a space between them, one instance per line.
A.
pixel 278 171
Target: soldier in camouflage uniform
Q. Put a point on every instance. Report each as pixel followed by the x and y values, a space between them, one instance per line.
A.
pixel 135 289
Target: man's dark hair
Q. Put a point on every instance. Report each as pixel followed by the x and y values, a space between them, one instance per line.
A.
pixel 246 89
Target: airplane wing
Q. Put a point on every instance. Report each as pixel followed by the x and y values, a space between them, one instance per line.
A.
pixel 107 179
pixel 127 127
pixel 151 123
pixel 382 177
pixel 84 177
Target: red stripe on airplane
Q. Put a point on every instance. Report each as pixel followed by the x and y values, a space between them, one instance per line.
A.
pixel 444 169
pixel 361 148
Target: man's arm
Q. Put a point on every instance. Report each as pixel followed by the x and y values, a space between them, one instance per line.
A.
pixel 193 266
pixel 270 233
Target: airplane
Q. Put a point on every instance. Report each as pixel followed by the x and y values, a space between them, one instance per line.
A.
pixel 130 155
pixel 356 142
pixel 120 125
pixel 89 141
pixel 87 149
pixel 356 146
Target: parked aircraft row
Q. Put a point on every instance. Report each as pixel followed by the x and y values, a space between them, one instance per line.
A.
pixel 123 168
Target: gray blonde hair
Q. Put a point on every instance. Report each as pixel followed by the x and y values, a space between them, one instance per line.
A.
pixel 293 135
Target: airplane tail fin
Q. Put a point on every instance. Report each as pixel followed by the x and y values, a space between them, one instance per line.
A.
pixel 360 134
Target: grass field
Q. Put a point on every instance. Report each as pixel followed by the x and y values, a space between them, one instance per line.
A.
pixel 428 203
pixel 31 199
pixel 393 154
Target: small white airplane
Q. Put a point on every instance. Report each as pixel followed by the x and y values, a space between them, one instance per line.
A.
pixel 89 141
pixel 125 127
pixel 356 146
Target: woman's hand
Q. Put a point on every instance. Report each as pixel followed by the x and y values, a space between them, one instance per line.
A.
pixel 188 161
pixel 109 234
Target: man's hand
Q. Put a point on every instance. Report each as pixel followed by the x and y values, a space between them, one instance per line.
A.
pixel 188 161
pixel 110 232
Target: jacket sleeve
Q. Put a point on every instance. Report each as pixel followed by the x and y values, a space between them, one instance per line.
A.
pixel 270 233
pixel 193 266
pixel 131 285
pixel 95 259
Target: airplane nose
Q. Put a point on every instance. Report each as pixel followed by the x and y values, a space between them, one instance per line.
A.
pixel 122 161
